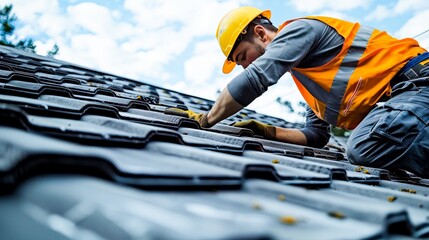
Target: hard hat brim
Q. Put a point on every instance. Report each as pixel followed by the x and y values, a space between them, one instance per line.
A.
pixel 266 13
pixel 228 66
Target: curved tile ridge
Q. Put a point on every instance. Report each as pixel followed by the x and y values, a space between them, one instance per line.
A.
pixel 26 155
pixel 392 218
pixel 336 172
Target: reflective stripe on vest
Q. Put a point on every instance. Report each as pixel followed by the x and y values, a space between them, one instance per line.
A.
pixel 347 67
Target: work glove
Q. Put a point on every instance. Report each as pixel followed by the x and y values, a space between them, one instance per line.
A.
pixel 258 128
pixel 201 118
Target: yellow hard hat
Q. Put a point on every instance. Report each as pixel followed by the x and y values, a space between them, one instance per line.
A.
pixel 231 26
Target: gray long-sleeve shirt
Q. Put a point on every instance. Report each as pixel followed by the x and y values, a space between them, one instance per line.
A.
pixel 303 43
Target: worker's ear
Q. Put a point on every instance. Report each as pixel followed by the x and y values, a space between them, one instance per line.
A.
pixel 260 32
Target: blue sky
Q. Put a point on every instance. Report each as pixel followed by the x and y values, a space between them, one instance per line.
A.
pixel 171 43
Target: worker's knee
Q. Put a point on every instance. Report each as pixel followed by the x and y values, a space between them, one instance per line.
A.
pixel 366 150
pixel 355 154
pixel 374 151
pixel 357 158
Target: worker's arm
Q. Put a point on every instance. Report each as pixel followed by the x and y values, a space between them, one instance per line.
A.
pixel 224 107
pixel 270 132
pixel 290 135
pixel 316 132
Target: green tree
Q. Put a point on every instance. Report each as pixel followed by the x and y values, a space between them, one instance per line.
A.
pixel 290 108
pixel 53 51
pixel 7 19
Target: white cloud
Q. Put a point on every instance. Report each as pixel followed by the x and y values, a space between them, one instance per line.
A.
pixel 89 45
pixel 40 17
pixel 404 6
pixel 203 90
pixel 44 47
pixel 180 86
pixel 99 20
pixel 382 12
pixel 199 16
pixel 31 11
pixel 416 25
pixel 311 6
pixel 336 14
pixel 206 60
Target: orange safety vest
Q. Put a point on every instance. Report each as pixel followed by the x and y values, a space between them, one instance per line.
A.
pixel 344 90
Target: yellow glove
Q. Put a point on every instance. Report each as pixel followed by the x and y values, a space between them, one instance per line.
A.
pixel 201 118
pixel 258 128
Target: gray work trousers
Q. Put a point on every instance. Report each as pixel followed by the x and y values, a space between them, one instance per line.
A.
pixel 395 135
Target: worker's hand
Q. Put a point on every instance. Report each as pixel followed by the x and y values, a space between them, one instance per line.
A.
pixel 258 128
pixel 201 118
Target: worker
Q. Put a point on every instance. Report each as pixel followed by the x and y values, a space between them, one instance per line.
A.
pixel 351 76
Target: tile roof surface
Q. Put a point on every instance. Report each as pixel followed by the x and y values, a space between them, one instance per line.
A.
pixel 90 155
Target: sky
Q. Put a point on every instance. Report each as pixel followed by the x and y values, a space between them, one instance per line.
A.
pixel 172 44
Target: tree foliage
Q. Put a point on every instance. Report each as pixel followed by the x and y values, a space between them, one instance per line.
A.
pixel 289 107
pixel 7 29
pixel 53 51
pixel 6 19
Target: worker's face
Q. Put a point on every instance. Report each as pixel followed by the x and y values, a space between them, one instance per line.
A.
pixel 246 52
